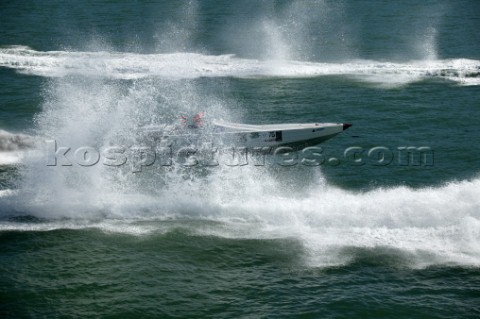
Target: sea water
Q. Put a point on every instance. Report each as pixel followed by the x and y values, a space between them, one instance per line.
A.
pixel 385 233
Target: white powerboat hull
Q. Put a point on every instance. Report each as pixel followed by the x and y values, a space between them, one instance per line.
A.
pixel 275 135
pixel 227 134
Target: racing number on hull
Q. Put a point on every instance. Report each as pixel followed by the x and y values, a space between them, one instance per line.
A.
pixel 278 136
pixel 274 136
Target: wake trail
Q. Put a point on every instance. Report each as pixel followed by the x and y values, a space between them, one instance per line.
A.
pixel 128 66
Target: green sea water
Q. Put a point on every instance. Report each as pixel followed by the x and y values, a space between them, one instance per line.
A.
pixel 382 234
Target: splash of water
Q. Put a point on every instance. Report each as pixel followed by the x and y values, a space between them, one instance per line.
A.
pixel 13 145
pixel 95 98
pixel 178 35
pixel 242 202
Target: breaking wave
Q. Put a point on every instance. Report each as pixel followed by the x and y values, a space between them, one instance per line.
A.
pixel 15 142
pixel 12 146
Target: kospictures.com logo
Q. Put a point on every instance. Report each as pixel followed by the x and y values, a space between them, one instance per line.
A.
pixel 139 157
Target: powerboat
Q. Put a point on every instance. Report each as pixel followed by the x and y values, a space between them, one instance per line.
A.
pixel 296 136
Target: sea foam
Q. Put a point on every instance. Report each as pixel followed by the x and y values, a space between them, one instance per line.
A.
pixel 181 65
pixel 433 225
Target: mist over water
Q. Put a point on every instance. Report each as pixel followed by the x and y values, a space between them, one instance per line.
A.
pixel 102 96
